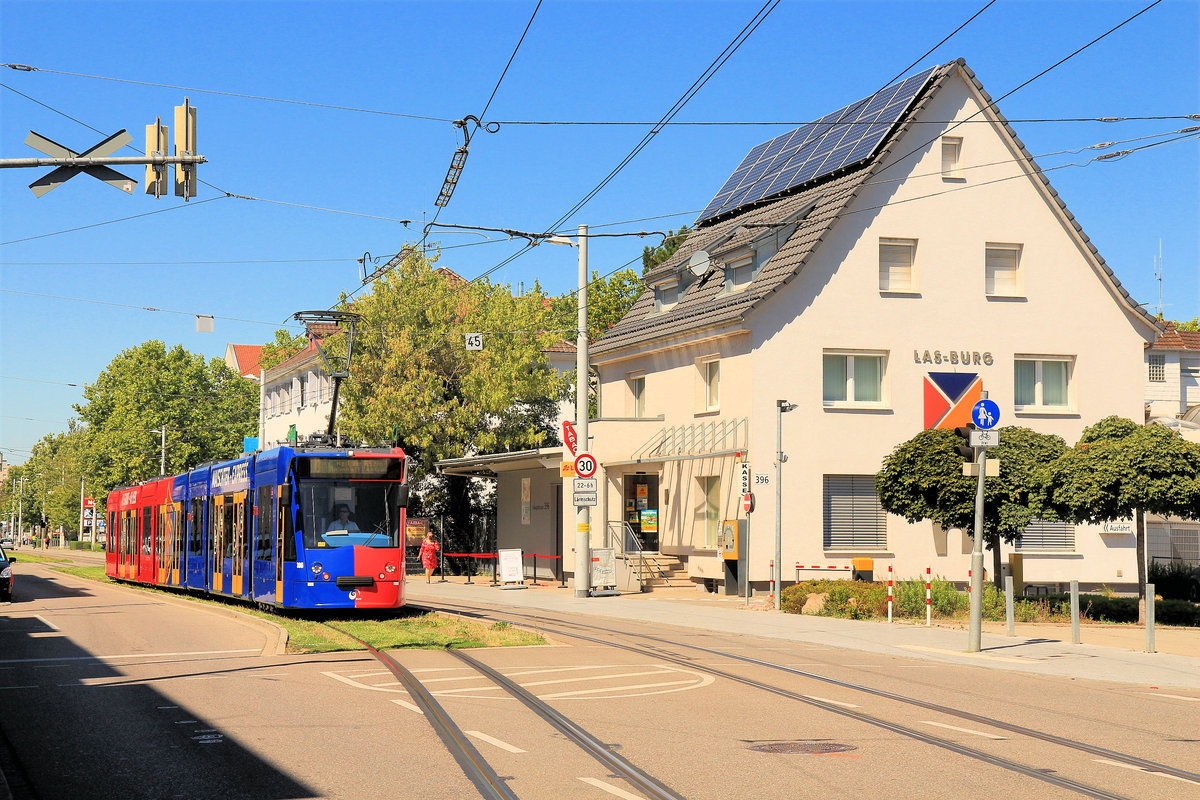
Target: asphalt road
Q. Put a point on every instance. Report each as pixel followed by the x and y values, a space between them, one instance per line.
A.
pixel 111 692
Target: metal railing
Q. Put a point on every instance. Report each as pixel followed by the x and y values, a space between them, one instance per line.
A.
pixel 696 439
pixel 630 547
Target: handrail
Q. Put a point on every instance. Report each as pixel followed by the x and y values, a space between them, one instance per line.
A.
pixel 625 536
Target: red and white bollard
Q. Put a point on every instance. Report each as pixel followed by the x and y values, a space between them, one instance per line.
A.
pixel 889 593
pixel 772 596
pixel 928 597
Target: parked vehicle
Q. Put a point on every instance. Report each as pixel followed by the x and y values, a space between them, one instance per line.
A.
pixel 6 575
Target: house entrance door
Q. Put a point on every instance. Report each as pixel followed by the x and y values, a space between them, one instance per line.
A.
pixel 641 509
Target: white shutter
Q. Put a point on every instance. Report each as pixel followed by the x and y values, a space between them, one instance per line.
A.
pixel 1001 264
pixel 853 518
pixel 1042 535
pixel 895 264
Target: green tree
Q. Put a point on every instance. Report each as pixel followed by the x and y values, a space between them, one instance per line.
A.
pixel 1121 470
pixel 284 347
pixel 653 256
pixel 206 409
pixel 608 300
pixel 413 380
pixel 1191 325
pixel 922 480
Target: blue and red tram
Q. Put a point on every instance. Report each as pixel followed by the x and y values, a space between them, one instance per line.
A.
pixel 287 528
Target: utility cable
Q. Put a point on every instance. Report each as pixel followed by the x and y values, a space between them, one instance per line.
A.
pixel 27 68
pixel 145 308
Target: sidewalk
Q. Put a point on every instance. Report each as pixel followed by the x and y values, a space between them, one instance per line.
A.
pixel 1108 652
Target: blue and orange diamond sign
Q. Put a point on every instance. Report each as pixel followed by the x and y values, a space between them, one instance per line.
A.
pixel 949 397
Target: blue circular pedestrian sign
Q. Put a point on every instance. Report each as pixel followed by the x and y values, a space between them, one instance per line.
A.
pixel 986 414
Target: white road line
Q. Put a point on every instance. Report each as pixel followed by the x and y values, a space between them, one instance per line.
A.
pixel 356 684
pixel 129 655
pixel 831 702
pixel 1175 696
pixel 570 669
pixel 600 677
pixel 965 654
pixel 45 622
pixel 1108 763
pixel 963 730
pixel 43 634
pixel 407 705
pixel 18 687
pixel 490 740
pixel 617 689
pixel 613 790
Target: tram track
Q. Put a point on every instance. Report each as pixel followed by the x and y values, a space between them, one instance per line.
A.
pixel 474 765
pixel 965 750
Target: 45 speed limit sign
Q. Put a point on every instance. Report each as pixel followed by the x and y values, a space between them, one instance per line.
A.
pixel 585 465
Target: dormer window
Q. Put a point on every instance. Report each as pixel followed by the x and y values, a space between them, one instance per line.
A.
pixel 666 295
pixel 740 269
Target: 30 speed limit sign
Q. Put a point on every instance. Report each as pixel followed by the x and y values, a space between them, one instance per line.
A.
pixel 585 465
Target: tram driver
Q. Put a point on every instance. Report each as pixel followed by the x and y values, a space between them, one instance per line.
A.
pixel 342 521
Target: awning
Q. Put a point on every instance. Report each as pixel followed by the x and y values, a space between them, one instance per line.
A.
pixel 696 440
pixel 487 466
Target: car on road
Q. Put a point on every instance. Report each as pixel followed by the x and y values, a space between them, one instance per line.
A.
pixel 6 575
pixel 6 542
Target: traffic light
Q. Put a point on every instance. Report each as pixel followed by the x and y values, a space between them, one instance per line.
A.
pixel 965 450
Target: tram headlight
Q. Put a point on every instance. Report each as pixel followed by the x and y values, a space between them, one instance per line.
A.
pixel 316 568
pixel 389 567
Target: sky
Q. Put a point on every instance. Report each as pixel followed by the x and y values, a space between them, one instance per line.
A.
pixel 294 193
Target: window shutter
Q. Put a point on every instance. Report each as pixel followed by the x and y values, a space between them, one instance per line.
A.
pixel 1042 535
pixel 1001 268
pixel 895 265
pixel 854 520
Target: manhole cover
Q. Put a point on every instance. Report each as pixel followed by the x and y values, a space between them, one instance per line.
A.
pixel 803 747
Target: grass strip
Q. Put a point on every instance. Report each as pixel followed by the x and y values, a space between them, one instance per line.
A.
pixel 383 630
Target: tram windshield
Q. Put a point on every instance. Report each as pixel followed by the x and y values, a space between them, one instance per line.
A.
pixel 341 513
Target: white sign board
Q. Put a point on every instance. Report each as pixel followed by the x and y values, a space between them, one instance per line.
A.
pixel 1116 527
pixel 474 341
pixel 745 477
pixel 604 568
pixel 511 566
pixel 985 438
pixel 586 499
pixel 762 479
pixel 587 485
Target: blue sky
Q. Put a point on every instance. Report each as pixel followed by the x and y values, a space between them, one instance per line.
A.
pixel 252 263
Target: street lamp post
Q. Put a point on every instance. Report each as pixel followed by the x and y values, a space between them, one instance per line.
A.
pixel 783 407
pixel 162 468
pixel 583 559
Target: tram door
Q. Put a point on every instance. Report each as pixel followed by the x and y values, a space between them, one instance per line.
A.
pixel 145 562
pixel 282 509
pixel 126 544
pixel 161 544
pixel 216 553
pixel 176 543
pixel 238 543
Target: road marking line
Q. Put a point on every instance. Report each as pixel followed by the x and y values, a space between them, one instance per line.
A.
pixel 613 790
pixel 831 702
pixel 570 669
pixel 963 730
pixel 356 684
pixel 1175 696
pixel 129 655
pixel 490 740
pixel 43 634
pixel 18 687
pixel 45 622
pixel 618 689
pixel 187 722
pixel 1106 762
pixel 407 705
pixel 600 677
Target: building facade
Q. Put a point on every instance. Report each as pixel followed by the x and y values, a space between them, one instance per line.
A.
pixel 875 296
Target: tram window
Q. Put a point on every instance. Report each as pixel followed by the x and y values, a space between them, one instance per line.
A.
pixel 229 512
pixel 195 527
pixel 147 519
pixel 373 519
pixel 265 532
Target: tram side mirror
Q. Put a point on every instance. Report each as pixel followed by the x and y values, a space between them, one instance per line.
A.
pixel 402 496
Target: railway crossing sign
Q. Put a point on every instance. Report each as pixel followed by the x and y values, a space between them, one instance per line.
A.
pixel 61 175
pixel 585 465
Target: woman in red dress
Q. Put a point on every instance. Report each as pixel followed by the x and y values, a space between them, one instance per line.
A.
pixel 429 555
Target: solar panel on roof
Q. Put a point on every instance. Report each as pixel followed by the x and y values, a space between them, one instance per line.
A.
pixel 841 139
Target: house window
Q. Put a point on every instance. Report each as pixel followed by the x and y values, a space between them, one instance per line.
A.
pixel 711 487
pixel 952 158
pixel 711 371
pixel 1042 382
pixel 666 296
pixel 740 270
pixel 852 378
pixel 897 258
pixel 303 390
pixel 1158 370
pixel 637 392
pixel 853 517
pixel 1042 535
pixel 1002 267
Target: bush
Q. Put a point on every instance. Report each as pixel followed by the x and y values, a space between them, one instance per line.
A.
pixel 1177 612
pixel 1171 580
pixel 855 600
pixel 793 598
pixel 75 545
pixel 946 600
